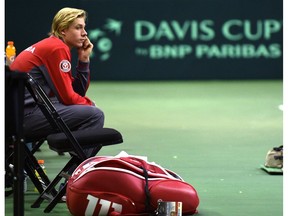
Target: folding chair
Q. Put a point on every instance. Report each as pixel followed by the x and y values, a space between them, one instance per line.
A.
pixel 66 140
pixel 16 152
pixel 14 137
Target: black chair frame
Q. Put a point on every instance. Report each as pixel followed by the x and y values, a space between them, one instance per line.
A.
pixel 14 136
pixel 17 153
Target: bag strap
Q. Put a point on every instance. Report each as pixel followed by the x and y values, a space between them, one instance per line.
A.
pixel 147 192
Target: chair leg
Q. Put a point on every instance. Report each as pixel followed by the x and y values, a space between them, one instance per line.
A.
pixel 31 164
pixel 31 173
pixel 96 150
pixel 53 184
pixel 34 163
pixel 37 145
pixel 56 199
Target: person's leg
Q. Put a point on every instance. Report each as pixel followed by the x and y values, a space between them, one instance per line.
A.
pixel 80 116
pixel 76 117
pixel 36 124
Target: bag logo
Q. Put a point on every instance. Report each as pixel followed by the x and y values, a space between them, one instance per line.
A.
pixel 65 66
pixel 105 206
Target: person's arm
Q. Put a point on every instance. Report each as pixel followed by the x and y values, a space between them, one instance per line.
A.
pixel 59 68
pixel 82 79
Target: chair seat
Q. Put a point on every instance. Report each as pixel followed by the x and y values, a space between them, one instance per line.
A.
pixel 86 138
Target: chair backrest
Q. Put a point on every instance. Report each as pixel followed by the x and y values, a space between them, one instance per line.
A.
pixel 14 104
pixel 50 112
pixel 14 136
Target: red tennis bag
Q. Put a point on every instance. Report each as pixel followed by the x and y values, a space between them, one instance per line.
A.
pixel 125 185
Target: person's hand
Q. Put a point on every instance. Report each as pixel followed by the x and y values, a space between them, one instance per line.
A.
pixel 85 51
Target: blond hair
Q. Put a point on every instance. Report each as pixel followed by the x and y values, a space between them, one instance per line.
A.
pixel 63 19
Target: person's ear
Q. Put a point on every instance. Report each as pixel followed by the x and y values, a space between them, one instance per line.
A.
pixel 63 32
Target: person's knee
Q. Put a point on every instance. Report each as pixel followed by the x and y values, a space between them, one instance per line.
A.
pixel 100 116
pixel 80 117
pixel 97 117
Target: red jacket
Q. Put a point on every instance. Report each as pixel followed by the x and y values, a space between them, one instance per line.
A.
pixel 50 60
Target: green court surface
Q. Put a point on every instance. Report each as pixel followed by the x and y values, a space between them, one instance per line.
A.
pixel 214 134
